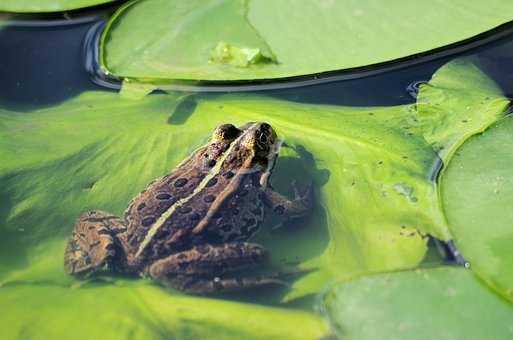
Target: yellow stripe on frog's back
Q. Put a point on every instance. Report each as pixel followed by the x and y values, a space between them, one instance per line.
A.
pixel 166 214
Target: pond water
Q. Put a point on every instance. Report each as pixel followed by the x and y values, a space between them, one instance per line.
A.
pixel 75 145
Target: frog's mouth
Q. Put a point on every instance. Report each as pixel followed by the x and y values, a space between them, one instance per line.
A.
pixel 271 161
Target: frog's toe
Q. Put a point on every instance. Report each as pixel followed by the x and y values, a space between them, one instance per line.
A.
pixel 92 245
pixel 305 194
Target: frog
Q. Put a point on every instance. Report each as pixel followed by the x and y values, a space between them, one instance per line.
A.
pixel 191 229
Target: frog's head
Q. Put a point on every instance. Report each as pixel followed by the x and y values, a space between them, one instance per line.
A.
pixel 259 137
pixel 252 146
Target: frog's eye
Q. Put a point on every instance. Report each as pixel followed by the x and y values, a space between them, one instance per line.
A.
pixel 264 138
pixel 265 135
pixel 225 132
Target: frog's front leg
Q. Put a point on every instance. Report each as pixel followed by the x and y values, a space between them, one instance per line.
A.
pixel 93 245
pixel 283 206
pixel 198 270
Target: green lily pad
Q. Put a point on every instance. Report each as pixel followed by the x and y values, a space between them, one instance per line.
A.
pixel 441 303
pixel 477 191
pixel 64 149
pixel 176 40
pixel 38 6
pixel 78 156
pixel 371 167
pixel 189 36
pixel 137 310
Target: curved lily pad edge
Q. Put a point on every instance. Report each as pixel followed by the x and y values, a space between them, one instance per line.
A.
pixel 483 277
pixel 163 83
pixel 331 313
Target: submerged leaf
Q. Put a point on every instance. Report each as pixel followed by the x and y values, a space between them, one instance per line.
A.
pixel 356 156
pixel 441 303
pixel 137 310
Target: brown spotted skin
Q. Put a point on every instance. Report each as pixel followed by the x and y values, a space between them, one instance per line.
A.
pixel 145 208
pixel 188 228
pixel 93 244
pixel 210 260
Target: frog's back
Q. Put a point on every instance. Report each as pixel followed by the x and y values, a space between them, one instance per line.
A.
pixel 161 195
pixel 212 197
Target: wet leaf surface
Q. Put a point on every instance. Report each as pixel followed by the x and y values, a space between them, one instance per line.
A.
pixel 477 196
pixel 176 40
pixel 441 303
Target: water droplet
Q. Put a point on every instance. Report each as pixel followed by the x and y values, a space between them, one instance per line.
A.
pixel 414 88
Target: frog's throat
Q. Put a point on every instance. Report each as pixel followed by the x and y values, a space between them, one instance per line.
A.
pixel 163 218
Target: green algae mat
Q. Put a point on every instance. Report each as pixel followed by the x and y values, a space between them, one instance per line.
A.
pixel 158 41
pixel 373 170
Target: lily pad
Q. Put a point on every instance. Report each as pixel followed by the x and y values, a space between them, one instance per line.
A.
pixel 137 310
pixel 371 167
pixel 176 40
pixel 38 6
pixel 182 36
pixel 477 191
pixel 442 303
pixel 366 150
pixel 79 155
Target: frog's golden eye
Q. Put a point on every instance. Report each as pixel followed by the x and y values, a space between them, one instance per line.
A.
pixel 225 132
pixel 266 135
pixel 263 138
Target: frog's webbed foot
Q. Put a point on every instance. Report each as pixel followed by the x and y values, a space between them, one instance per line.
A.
pixel 298 207
pixel 199 270
pixel 92 247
